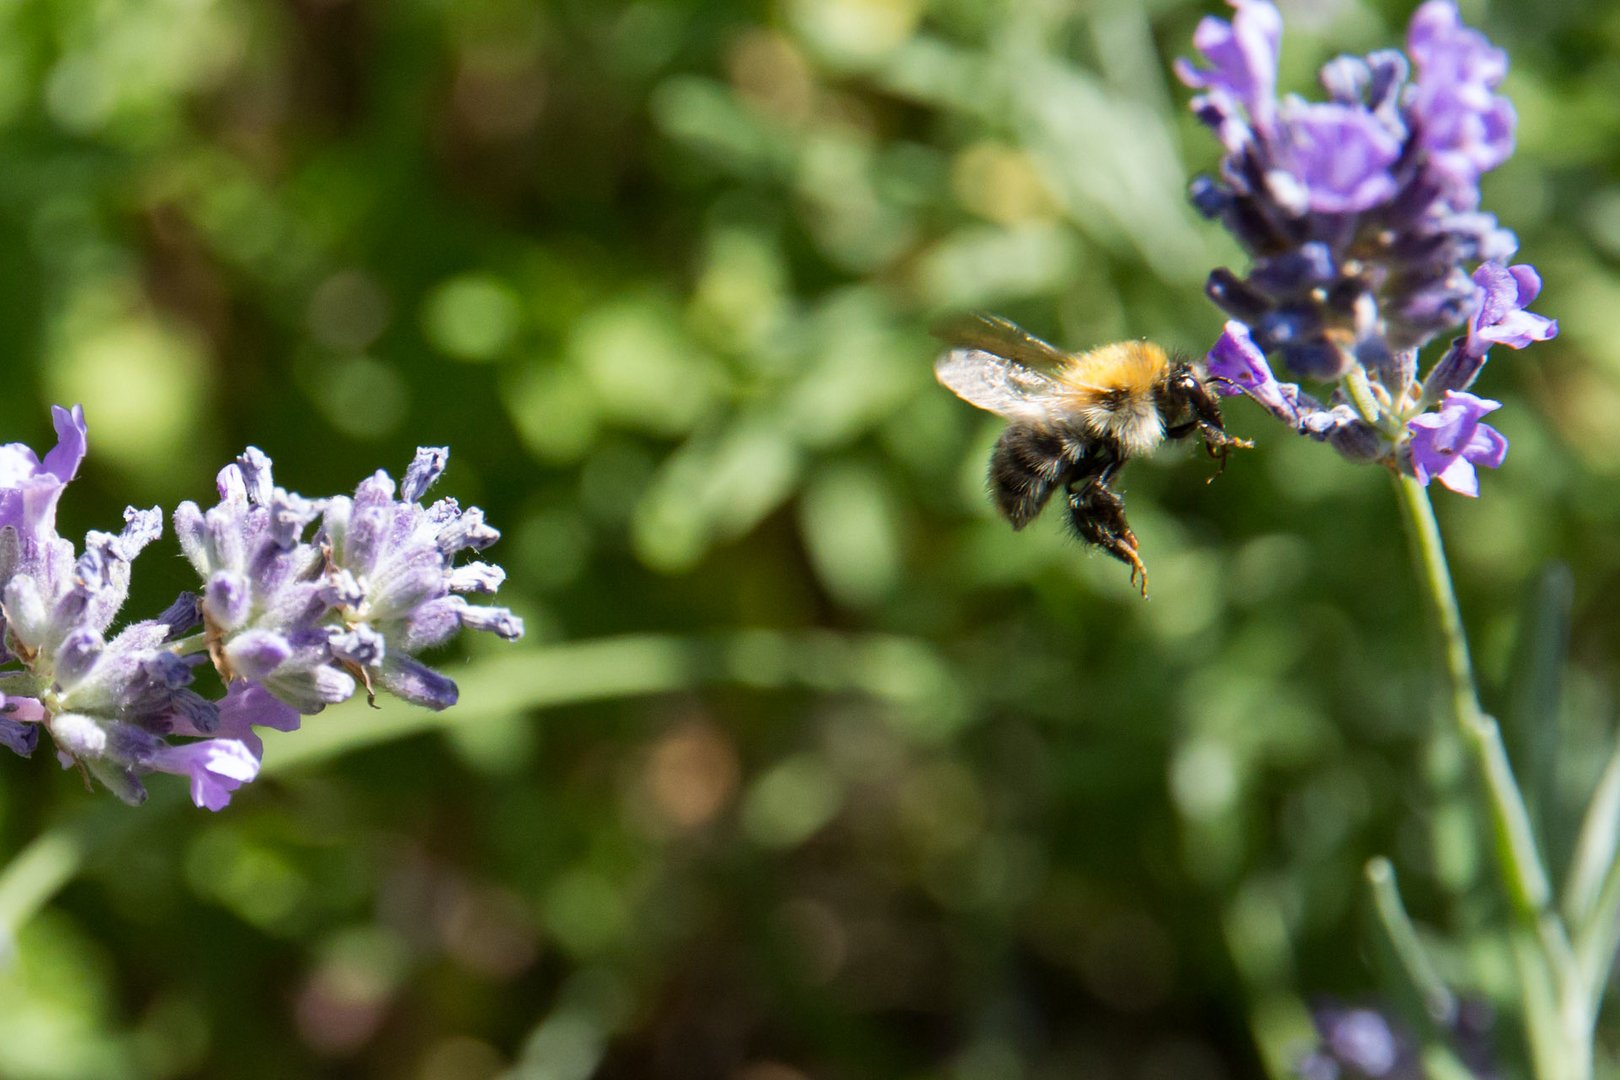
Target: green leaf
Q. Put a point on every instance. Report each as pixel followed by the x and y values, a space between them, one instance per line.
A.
pixel 1595 851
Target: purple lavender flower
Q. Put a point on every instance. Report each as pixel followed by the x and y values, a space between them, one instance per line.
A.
pixel 288 623
pixel 1243 60
pixel 1359 1044
pixel 394 585
pixel 216 767
pixel 109 700
pixel 1499 318
pixel 1332 159
pixel 1360 218
pixel 1237 366
pixel 29 488
pixel 1448 444
pixel 1467 129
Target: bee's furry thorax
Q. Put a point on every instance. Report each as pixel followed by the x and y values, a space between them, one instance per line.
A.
pixel 1114 390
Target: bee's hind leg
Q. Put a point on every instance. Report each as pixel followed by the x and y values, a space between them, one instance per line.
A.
pixel 1097 514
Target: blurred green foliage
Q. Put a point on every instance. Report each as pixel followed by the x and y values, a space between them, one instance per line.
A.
pixel 810 767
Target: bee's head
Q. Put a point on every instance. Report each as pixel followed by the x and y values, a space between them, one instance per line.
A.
pixel 1185 391
pixel 1184 382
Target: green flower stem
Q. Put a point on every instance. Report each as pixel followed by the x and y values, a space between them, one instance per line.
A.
pixel 185 646
pixel 1361 396
pixel 1564 1053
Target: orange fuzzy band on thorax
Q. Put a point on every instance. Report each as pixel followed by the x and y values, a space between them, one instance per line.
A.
pixel 1134 367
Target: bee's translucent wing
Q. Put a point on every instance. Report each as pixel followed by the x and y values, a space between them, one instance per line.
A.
pixel 993 334
pixel 996 383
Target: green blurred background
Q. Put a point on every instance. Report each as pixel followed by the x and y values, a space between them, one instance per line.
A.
pixel 809 767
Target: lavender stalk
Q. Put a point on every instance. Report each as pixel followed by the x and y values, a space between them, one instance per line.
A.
pixel 1361 216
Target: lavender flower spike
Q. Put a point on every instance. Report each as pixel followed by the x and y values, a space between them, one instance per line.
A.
pixel 288 622
pixel 1360 218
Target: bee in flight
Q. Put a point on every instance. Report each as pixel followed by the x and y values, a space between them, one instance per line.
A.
pixel 1075 419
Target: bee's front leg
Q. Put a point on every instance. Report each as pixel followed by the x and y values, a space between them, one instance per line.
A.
pixel 1097 514
pixel 1217 444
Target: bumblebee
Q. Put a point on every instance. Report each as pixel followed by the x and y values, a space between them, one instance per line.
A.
pixel 1075 419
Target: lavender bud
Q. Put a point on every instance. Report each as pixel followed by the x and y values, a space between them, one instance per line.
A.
pixel 423 472
pixel 183 615
pixel 254 470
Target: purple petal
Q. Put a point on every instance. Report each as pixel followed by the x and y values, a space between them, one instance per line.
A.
pixel 1520 328
pixel 72 442
pixel 1500 318
pixel 1337 159
pixel 248 703
pixel 1466 128
pixel 231 485
pixel 1436 37
pixel 1237 365
pixel 1528 281
pixel 1460 476
pixel 1242 57
pixel 466 530
pixel 141 527
pixel 1448 443
pixel 497 620
pixel 477 577
pixel 1487 447
pixel 18 737
pixel 23 709
pixel 217 767
pixel 255 470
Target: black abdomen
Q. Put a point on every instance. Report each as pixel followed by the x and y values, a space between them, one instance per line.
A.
pixel 1027 464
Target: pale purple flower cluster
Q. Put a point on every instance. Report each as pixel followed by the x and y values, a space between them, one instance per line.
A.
pixel 1361 1042
pixel 290 623
pixel 1361 218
